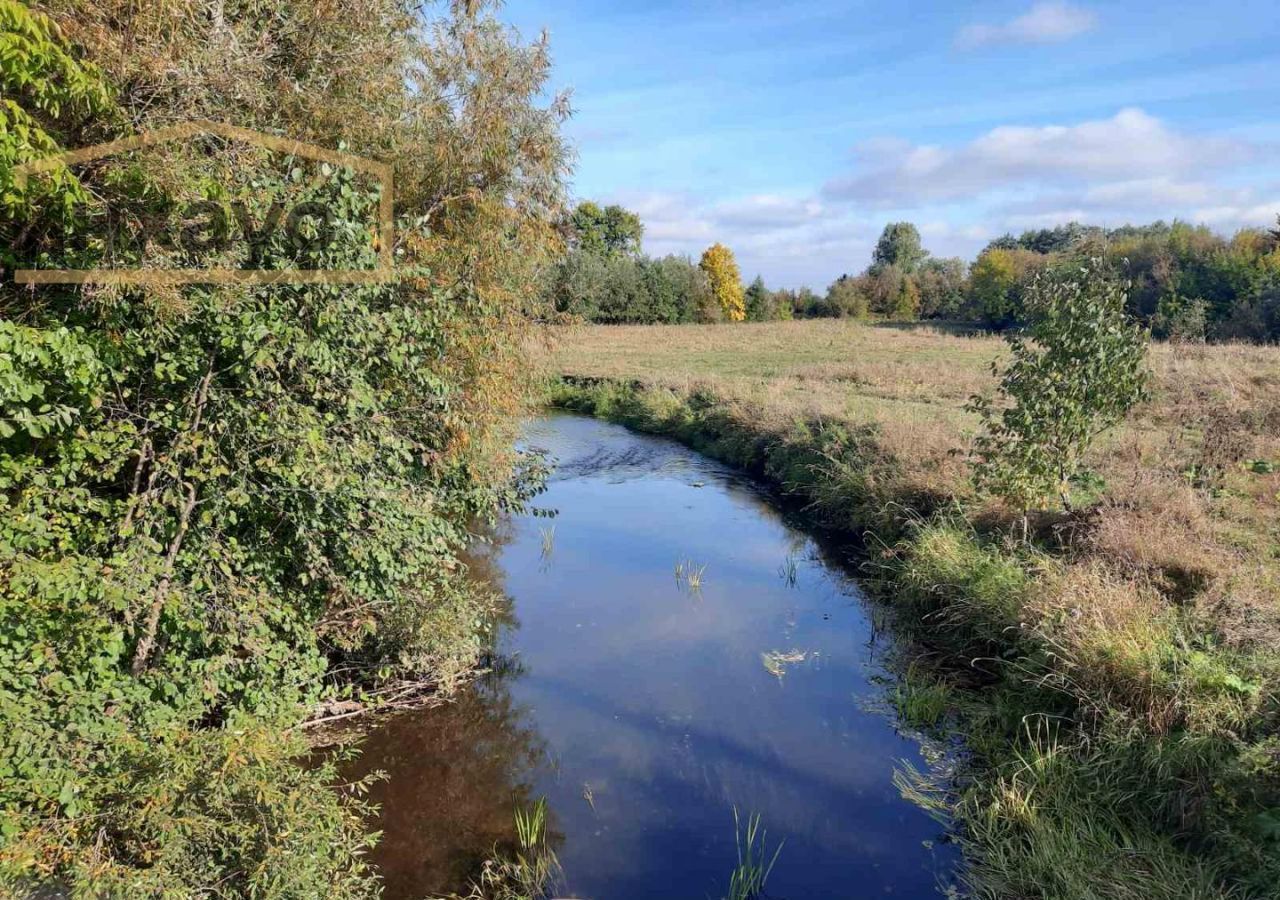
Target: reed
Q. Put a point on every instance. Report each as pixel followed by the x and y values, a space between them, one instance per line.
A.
pixel 747 881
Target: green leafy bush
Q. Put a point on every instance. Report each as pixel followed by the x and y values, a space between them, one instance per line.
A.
pixel 1076 373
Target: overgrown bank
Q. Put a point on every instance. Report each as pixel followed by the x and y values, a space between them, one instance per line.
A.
pixel 1119 747
pixel 224 506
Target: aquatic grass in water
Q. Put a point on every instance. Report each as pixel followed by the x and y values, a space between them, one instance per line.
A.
pixel 690 573
pixel 752 872
pixel 789 570
pixel 921 699
pixel 776 661
pixel 548 540
pixel 694 578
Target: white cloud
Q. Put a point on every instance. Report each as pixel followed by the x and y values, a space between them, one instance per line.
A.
pixel 1223 218
pixel 1129 146
pixel 671 221
pixel 1044 23
pixel 1150 193
pixel 941 230
pixel 1235 216
pixel 1142 197
pixel 1049 217
pixel 681 223
pixel 766 212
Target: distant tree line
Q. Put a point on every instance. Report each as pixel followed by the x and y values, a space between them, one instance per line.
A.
pixel 1186 282
pixel 606 278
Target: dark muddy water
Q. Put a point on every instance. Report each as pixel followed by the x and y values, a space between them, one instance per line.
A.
pixel 645 709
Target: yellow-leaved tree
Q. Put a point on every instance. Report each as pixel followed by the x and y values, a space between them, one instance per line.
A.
pixel 726 281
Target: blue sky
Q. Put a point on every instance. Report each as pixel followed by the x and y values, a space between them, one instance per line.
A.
pixel 793 130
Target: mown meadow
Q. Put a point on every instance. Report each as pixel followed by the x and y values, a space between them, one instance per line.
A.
pixel 1115 674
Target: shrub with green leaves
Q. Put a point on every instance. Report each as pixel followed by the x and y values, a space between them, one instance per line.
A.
pixel 41 81
pixel 1075 372
pixel 206 509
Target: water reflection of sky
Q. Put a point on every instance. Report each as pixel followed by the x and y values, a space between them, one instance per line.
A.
pixel 655 698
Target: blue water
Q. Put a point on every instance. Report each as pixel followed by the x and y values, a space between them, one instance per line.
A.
pixel 620 683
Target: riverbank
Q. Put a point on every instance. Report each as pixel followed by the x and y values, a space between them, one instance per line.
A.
pixel 1115 680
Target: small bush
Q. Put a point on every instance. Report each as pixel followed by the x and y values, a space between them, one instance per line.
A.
pixel 1074 375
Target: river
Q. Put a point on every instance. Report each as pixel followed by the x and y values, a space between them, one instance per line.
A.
pixel 645 707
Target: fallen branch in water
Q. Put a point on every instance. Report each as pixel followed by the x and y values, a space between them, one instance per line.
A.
pixel 398 696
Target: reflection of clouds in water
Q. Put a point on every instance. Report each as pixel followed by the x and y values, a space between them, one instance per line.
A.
pixel 681 763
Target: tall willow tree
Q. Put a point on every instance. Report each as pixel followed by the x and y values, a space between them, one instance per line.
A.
pixel 225 505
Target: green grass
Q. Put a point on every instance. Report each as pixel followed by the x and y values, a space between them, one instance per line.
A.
pixel 755 864
pixel 921 698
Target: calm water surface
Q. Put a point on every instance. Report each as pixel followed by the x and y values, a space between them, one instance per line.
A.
pixel 645 711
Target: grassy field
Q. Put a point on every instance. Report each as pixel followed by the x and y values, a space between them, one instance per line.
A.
pixel 1125 735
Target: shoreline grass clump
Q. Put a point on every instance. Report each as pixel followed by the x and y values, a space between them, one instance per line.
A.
pixel 526 870
pixel 1115 674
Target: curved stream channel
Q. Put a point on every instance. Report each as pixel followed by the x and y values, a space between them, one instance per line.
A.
pixel 645 709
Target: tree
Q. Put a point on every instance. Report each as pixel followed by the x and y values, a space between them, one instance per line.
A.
pixel 941 283
pixel 46 90
pixel 900 246
pixel 578 285
pixel 884 288
pixel 906 304
pixel 809 303
pixel 997 282
pixel 1076 374
pixel 225 503
pixel 783 309
pixel 726 281
pixel 606 231
pixel 675 287
pixel 847 297
pixel 627 298
pixel 759 302
pixel 618 288
pixel 787 303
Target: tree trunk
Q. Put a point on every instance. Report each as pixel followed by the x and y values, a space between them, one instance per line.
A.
pixel 148 640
